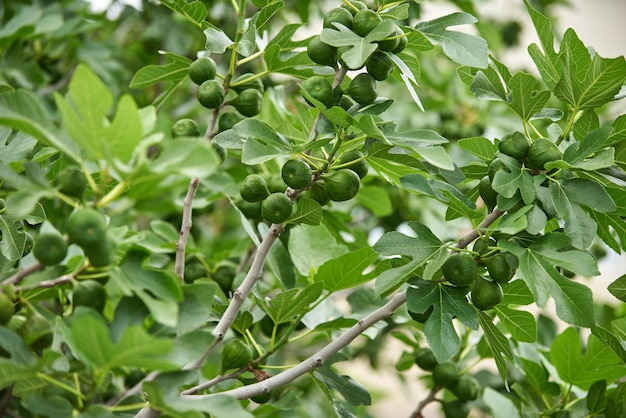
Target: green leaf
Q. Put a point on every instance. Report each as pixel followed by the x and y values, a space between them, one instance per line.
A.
pixel 186 156
pixel 481 147
pixel 409 73
pixel 262 143
pixel 462 48
pixel 596 397
pixel 175 70
pixel 487 85
pixel 260 18
pixel 308 211
pixel 20 25
pixel 538 268
pixel 164 394
pixel 526 100
pixel 360 48
pixel 247 43
pixel 619 130
pixel 597 362
pixel 354 393
pixel 125 131
pixel 618 288
pixel 311 246
pixel 610 340
pixel 296 64
pixel 286 305
pixel 49 406
pixel 194 11
pixel 420 248
pixel 391 162
pixel 22 110
pixel 376 199
pixel 84 110
pixel 413 140
pixel 12 242
pixel 15 146
pixel 520 324
pixel 497 342
pixel 587 82
pixel 501 406
pixel 216 41
pixel 135 348
pixel 588 193
pixel 546 61
pixel 447 302
pixel 84 113
pixel 347 270
pixel 196 308
pixel 159 290
pixel 537 376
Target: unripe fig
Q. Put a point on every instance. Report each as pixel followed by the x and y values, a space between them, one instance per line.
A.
pixel 202 69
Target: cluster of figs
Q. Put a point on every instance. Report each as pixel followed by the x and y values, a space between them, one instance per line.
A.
pixel 266 196
pixel 362 89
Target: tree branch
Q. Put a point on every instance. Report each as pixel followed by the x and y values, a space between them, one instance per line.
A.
pixel 185 227
pixel 25 271
pixel 317 359
pixel 428 399
pixel 489 219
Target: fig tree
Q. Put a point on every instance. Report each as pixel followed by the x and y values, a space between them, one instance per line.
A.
pixel 248 102
pixel 72 182
pixel 296 174
pixel 514 145
pixel 379 66
pixel 342 185
pixel 246 81
pixel 319 88
pixel 486 294
pixel 321 53
pixel 359 166
pixel 365 21
pixel 49 248
pixel 185 127
pixel 89 293
pixel 202 69
pixel 445 374
pixel 276 208
pixel 253 188
pixel 211 94
pixel 235 355
pixel 425 359
pixel 541 152
pixel 338 15
pixel 362 89
pixel 86 227
pixel 460 270
pixel 6 308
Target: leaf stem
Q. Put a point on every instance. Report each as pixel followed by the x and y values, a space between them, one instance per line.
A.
pixel 59 384
pixel 115 192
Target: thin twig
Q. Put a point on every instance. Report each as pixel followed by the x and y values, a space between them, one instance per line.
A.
pixel 489 219
pixel 17 277
pixel 420 406
pixel 47 284
pixel 214 381
pixel 256 269
pixel 185 227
